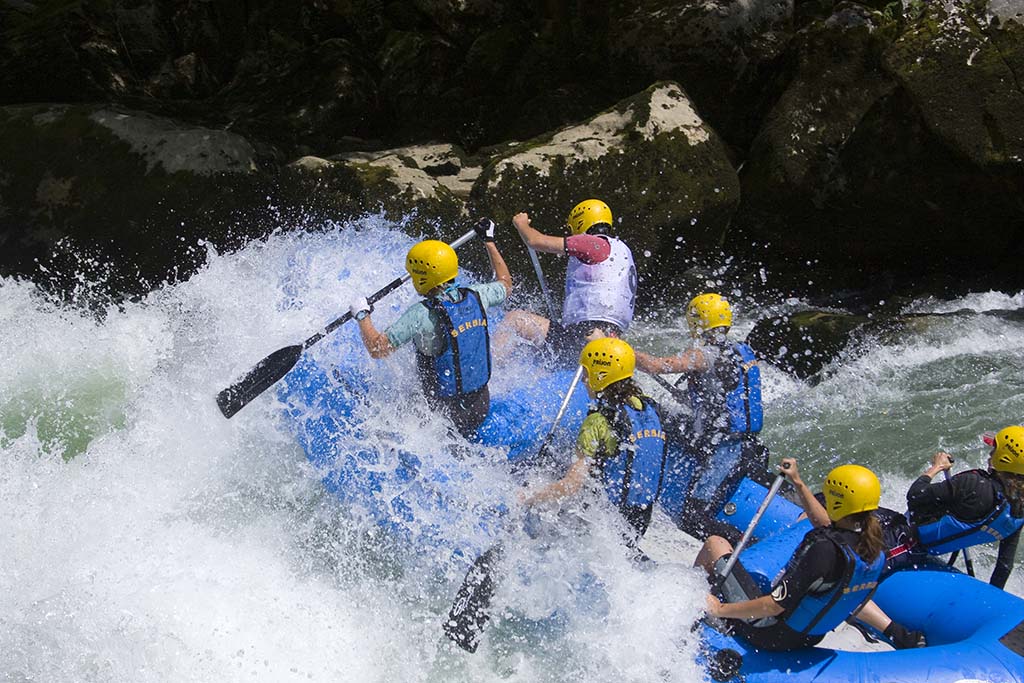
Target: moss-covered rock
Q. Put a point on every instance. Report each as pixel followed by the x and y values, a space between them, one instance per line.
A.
pixel 423 186
pixel 837 84
pixel 810 343
pixel 133 189
pixel 851 185
pixel 717 50
pixel 962 67
pixel 315 99
pixel 805 342
pixel 660 168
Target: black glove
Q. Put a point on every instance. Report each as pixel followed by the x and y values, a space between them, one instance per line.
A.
pixel 484 229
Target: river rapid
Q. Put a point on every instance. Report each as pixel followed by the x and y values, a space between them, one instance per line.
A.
pixel 146 538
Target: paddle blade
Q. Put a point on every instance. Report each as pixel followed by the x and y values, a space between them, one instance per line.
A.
pixel 259 379
pixel 470 611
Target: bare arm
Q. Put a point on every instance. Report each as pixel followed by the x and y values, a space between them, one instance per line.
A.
pixel 377 343
pixel 815 511
pixel 941 462
pixel 564 487
pixel 534 238
pixel 758 608
pixel 689 361
pixel 501 272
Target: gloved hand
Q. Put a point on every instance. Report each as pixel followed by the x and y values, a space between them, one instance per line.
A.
pixel 484 229
pixel 359 306
pixel 902 639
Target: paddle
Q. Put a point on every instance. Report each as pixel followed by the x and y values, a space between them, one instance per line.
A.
pixel 776 485
pixel 675 392
pixel 548 302
pixel 968 562
pixel 724 664
pixel 275 366
pixel 470 610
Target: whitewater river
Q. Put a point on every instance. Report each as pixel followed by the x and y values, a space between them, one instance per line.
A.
pixel 146 538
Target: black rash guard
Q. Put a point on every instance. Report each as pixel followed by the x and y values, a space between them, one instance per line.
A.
pixel 969 496
pixel 815 567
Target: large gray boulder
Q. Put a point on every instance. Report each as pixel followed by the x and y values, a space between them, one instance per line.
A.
pixel 810 343
pixel 962 68
pixel 717 50
pixel 423 186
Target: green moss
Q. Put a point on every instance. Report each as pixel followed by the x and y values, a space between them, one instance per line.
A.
pixel 959 72
pixel 369 174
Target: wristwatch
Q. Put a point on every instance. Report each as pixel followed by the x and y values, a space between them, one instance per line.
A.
pixel 361 314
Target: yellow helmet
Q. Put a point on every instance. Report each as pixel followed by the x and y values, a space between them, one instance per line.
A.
pixel 431 263
pixel 1008 455
pixel 850 489
pixel 587 214
pixel 706 312
pixel 607 360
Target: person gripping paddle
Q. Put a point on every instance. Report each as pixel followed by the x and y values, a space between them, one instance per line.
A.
pixel 448 328
pixel 600 284
pixel 271 369
pixel 830 576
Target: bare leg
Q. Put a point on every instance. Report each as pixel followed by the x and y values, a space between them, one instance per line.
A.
pixel 901 639
pixel 872 615
pixel 713 548
pixel 528 326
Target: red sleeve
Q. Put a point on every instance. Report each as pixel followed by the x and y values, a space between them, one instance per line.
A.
pixel 590 249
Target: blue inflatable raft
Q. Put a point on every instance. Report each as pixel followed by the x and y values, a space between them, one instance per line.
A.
pixel 975 631
pixel 420 497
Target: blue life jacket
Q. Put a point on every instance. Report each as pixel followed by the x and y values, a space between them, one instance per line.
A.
pixel 746 414
pixel 816 615
pixel 742 401
pixel 948 533
pixel 465 364
pixel 633 476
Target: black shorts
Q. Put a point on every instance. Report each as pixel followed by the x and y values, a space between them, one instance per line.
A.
pixel 774 635
pixel 467 411
pixel 565 342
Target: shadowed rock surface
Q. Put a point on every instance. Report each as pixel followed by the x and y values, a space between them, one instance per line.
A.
pixel 877 146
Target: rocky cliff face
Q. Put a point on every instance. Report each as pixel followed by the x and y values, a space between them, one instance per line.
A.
pixel 846 144
pixel 896 148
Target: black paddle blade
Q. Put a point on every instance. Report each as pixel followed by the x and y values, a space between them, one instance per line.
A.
pixel 259 379
pixel 470 611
